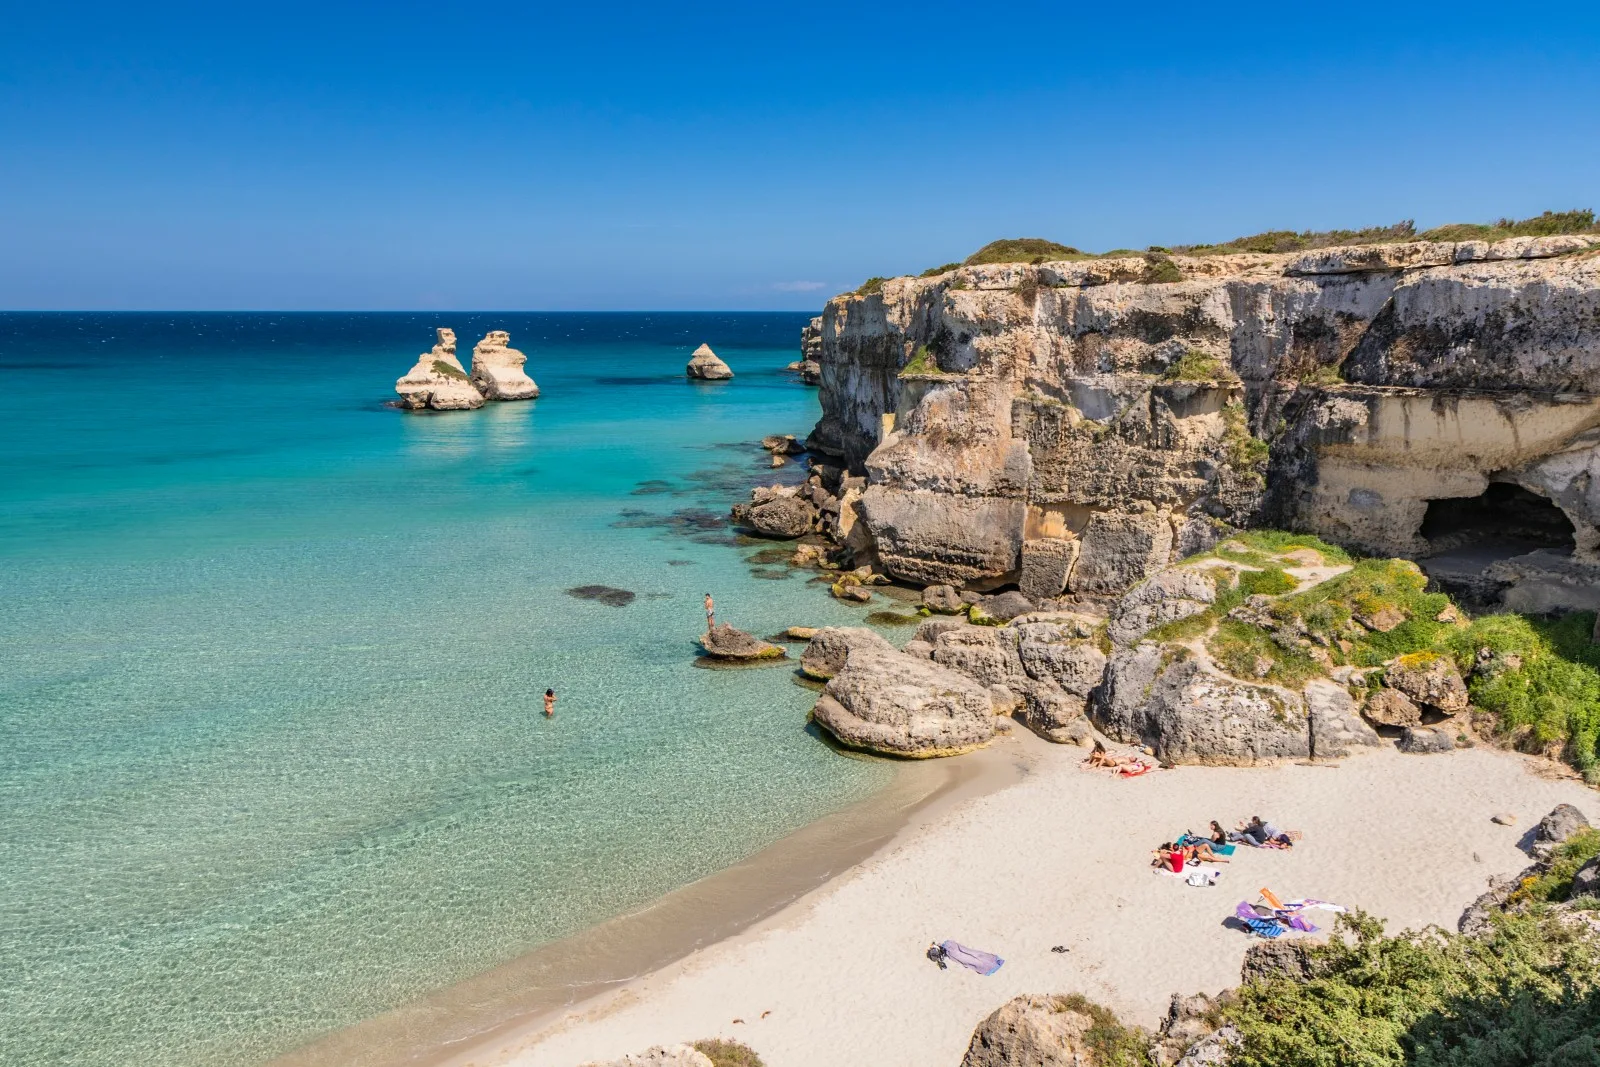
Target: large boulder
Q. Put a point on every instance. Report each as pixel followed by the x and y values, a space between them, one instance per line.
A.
pixel 1119 549
pixel 987 654
pixel 1563 821
pixel 777 511
pixel 497 369
pixel 1163 697
pixel 1428 678
pixel 705 365
pixel 894 704
pixel 828 649
pixel 1168 596
pixel 724 642
pixel 1002 607
pixel 1586 882
pixel 1046 564
pixel 438 381
pixel 1035 1031
pixel 1424 740
pixel 1056 715
pixel 943 600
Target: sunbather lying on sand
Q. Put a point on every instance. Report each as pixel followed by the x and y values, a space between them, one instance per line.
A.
pixel 1101 758
pixel 1265 835
pixel 1174 856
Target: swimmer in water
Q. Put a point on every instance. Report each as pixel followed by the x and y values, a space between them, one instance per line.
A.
pixel 549 703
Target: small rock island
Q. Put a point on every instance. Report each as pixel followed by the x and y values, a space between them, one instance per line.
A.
pixel 706 366
pixel 440 383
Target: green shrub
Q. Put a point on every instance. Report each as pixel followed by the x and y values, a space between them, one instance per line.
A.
pixel 933 272
pixel 1555 885
pixel 921 362
pixel 1198 366
pixel 1270 582
pixel 1290 241
pixel 1021 250
pixel 1548 224
pixel 872 285
pixel 1246 452
pixel 1159 269
pixel 1524 995
pixel 1239 647
pixel 728 1053
pixel 449 370
pixel 1112 1043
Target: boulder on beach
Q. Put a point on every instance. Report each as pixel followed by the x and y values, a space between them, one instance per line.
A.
pixel 438 381
pixel 898 705
pixel 1039 1031
pixel 724 642
pixel 497 369
pixel 705 365
pixel 1428 678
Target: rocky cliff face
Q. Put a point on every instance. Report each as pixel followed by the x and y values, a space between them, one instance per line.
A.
pixel 1085 423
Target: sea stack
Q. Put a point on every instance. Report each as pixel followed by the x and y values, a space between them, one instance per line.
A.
pixel 704 364
pixel 497 369
pixel 438 381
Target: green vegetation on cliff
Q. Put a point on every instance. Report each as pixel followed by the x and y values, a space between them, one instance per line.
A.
pixel 1549 224
pixel 727 1053
pixel 1527 994
pixel 1021 250
pixel 448 370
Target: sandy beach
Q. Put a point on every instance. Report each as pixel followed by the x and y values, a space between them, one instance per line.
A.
pixel 1062 858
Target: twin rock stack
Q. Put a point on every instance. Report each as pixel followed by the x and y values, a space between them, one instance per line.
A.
pixel 440 383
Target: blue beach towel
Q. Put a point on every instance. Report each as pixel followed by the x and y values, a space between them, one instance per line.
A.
pixel 971 958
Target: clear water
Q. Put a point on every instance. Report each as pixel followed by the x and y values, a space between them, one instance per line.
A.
pixel 271 656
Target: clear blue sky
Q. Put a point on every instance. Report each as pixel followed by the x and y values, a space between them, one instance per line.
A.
pixel 603 155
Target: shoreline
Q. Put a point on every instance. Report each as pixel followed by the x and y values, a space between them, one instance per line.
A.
pixel 460 1023
pixel 1061 858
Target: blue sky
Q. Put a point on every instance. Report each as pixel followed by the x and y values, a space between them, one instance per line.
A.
pixel 610 156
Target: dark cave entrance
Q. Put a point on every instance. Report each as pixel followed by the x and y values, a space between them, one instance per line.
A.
pixel 1506 517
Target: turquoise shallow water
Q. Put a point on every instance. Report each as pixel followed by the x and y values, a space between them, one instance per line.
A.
pixel 271 756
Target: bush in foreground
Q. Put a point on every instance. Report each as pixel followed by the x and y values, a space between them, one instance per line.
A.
pixel 728 1053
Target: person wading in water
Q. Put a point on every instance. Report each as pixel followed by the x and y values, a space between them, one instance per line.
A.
pixel 711 614
pixel 549 703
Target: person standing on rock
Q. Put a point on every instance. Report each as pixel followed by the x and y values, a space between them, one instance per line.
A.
pixel 549 703
pixel 711 614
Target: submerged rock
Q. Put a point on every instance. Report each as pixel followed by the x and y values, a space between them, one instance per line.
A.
pixel 705 365
pixel 724 642
pixel 438 381
pixel 888 702
pixel 605 594
pixel 497 369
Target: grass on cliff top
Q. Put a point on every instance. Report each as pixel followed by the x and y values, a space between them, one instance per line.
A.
pixel 1548 224
pixel 448 370
pixel 1527 994
pixel 1022 250
pixel 1112 1043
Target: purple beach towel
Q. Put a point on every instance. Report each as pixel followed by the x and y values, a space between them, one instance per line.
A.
pixel 971 958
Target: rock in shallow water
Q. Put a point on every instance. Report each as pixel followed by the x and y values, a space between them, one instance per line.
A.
pixel 497 369
pixel 724 642
pixel 705 365
pixel 438 381
pixel 830 646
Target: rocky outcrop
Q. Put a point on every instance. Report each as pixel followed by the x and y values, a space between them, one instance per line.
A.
pixel 705 365
pixel 726 643
pixel 1085 423
pixel 809 365
pixel 1390 707
pixel 777 511
pixel 497 369
pixel 1422 740
pixel 1555 828
pixel 899 705
pixel 438 381
pixel 1169 596
pixel 1428 678
pixel 1034 1031
pixel 828 649
pixel 661 1056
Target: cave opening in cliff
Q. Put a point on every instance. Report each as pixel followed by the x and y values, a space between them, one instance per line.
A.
pixel 1506 516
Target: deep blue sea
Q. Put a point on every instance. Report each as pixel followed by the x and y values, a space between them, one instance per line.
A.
pixel 271 656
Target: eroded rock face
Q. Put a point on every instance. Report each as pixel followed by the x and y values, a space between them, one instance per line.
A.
pixel 899 705
pixel 1032 1031
pixel 1337 729
pixel 438 381
pixel 777 511
pixel 497 369
pixel 828 649
pixel 705 365
pixel 1390 707
pixel 1422 740
pixel 1167 597
pixel 987 654
pixel 1079 418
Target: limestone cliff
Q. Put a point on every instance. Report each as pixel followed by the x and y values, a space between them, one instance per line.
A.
pixel 497 369
pixel 1083 423
pixel 438 381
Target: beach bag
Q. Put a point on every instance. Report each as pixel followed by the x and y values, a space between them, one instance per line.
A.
pixel 1201 876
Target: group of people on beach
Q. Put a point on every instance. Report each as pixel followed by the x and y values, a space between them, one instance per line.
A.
pixel 1216 846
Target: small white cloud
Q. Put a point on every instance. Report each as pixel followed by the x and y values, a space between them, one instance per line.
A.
pixel 799 287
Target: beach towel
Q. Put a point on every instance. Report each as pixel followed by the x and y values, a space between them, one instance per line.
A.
pixel 1299 922
pixel 1186 838
pixel 1266 928
pixel 971 958
pixel 1297 905
pixel 1134 770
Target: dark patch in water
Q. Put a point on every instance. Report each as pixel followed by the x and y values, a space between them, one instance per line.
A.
pixel 684 520
pixel 680 563
pixel 769 575
pixel 617 598
pixel 893 618
pixel 771 555
pixel 654 485
pixel 707 663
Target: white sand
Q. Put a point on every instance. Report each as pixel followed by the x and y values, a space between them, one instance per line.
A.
pixel 1062 859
